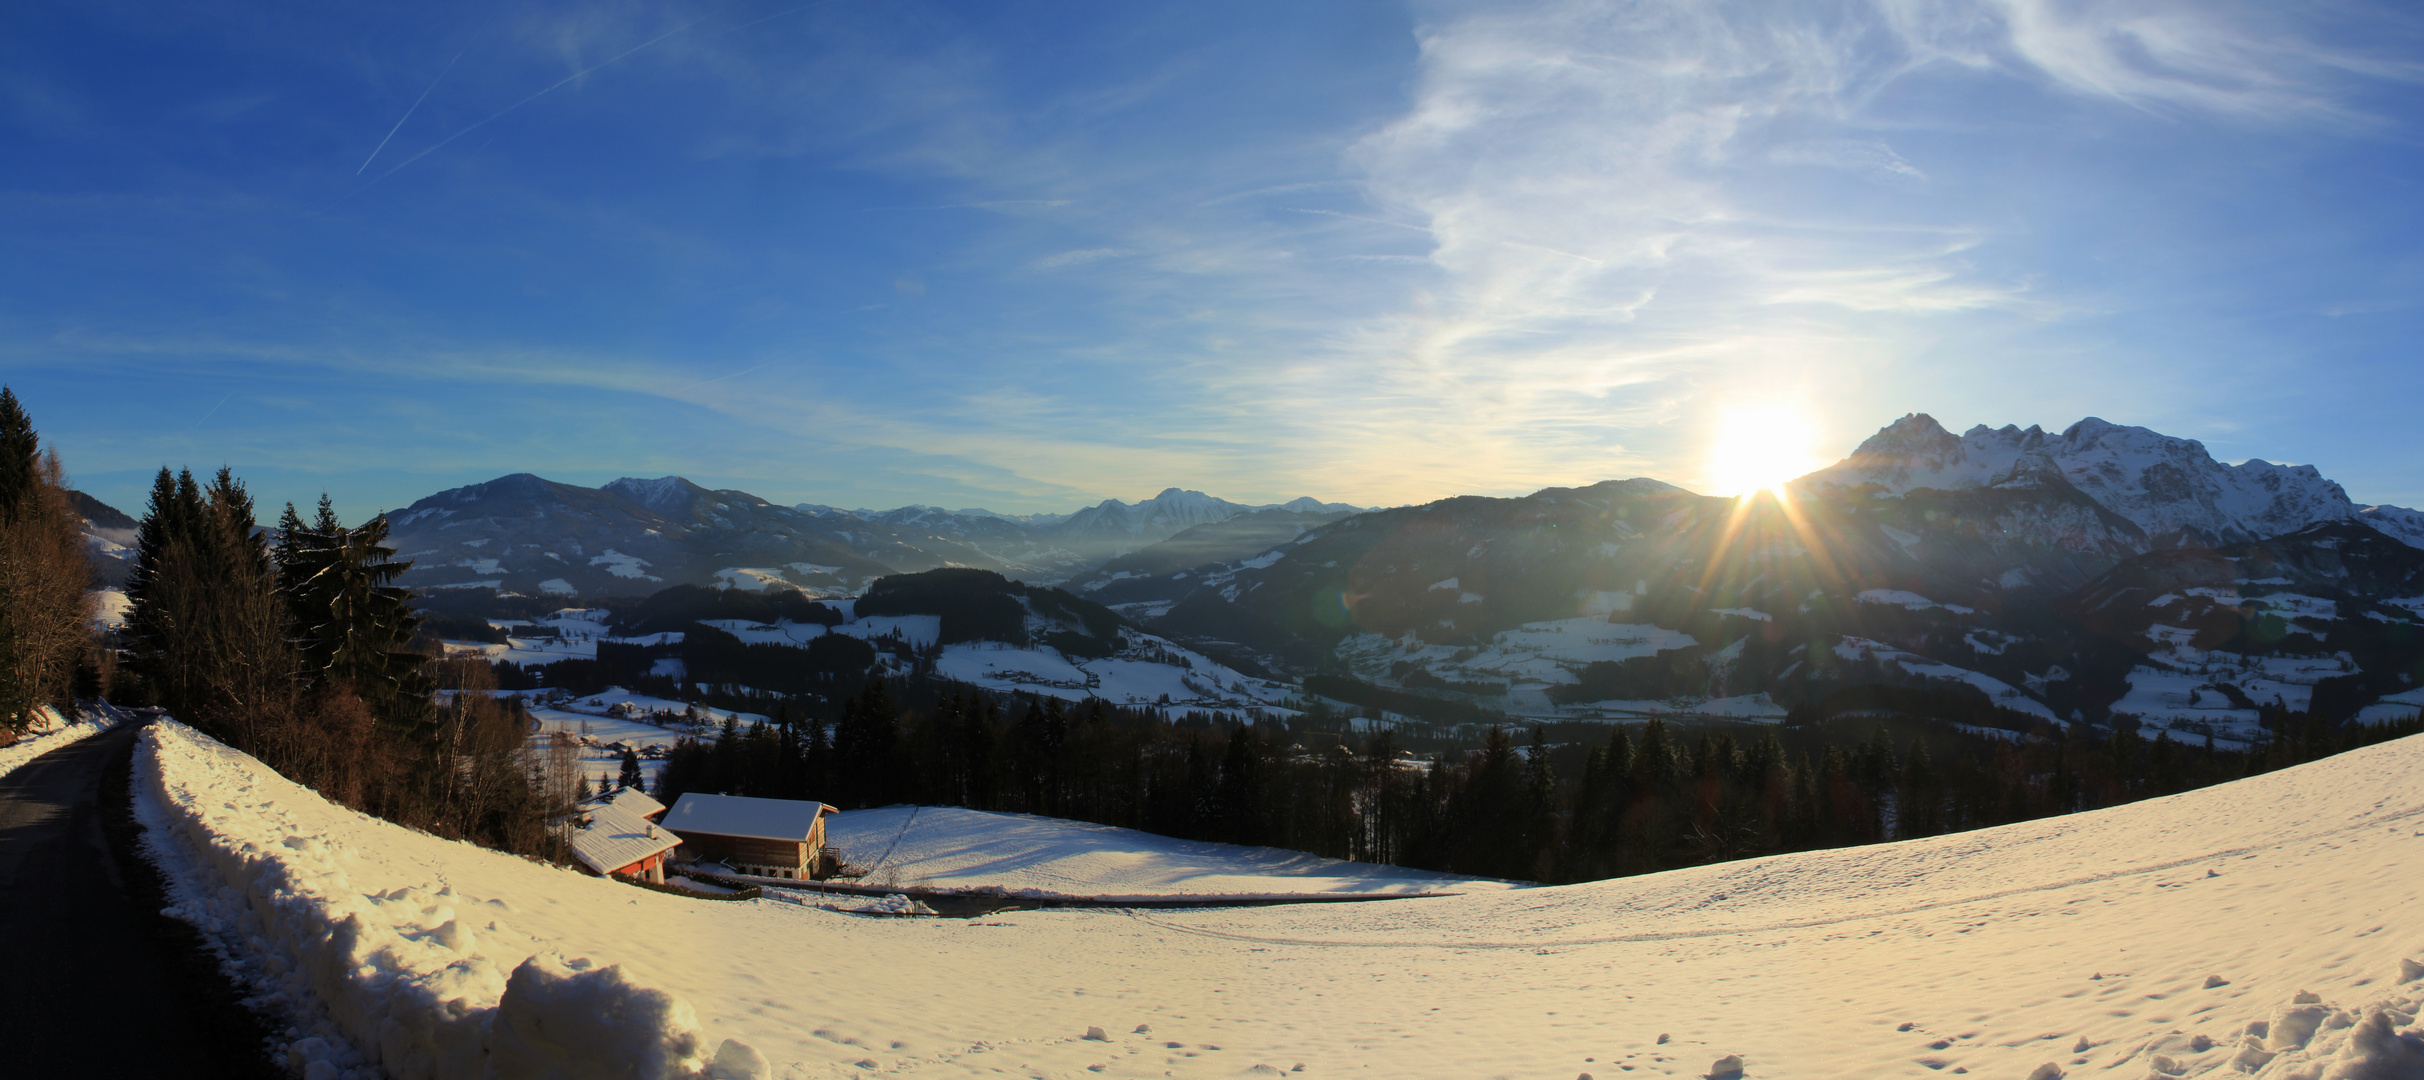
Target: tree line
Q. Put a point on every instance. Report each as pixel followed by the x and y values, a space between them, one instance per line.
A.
pixel 301 651
pixel 1633 799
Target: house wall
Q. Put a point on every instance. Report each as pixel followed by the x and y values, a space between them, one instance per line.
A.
pixel 651 869
pixel 789 854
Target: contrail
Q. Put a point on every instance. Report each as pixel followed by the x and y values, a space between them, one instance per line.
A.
pixel 525 101
pixel 416 104
pixel 213 409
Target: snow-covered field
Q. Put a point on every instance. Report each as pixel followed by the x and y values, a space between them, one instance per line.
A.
pixel 616 715
pixel 942 847
pixel 2267 926
pixel 2181 688
pixel 1528 659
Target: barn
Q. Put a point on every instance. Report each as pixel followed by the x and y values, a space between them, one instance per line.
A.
pixel 613 841
pixel 780 838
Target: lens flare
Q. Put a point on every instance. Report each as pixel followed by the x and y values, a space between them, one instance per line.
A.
pixel 1758 448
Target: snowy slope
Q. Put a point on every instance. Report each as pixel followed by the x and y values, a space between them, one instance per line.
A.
pixel 2143 940
pixel 51 731
pixel 946 847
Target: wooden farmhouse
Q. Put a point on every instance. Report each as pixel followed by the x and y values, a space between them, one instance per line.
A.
pixel 779 838
pixel 613 841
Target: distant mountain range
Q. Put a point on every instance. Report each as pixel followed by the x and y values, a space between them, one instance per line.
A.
pixel 2007 577
pixel 534 536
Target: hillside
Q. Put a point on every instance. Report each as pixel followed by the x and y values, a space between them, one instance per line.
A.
pixel 1985 571
pixel 2266 926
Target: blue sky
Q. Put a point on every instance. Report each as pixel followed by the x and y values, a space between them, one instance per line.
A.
pixel 1027 256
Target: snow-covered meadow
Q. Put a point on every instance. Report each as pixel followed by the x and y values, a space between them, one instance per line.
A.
pixel 2178 936
pixel 946 847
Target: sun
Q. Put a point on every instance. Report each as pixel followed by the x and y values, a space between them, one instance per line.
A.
pixel 1758 448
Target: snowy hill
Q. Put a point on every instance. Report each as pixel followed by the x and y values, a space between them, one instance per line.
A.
pixel 2264 928
pixel 109 537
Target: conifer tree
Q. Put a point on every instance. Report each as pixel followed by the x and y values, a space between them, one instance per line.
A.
pixel 352 622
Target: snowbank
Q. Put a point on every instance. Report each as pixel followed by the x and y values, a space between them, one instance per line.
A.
pixel 51 731
pixel 420 980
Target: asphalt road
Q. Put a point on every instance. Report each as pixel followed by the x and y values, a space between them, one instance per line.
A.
pixel 94 981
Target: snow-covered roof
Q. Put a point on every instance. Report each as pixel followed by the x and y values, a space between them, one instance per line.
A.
pixel 612 838
pixel 737 815
pixel 631 800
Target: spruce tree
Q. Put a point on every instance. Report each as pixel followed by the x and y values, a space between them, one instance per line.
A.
pixel 353 622
pixel 20 450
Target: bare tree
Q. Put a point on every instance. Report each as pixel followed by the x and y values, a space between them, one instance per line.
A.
pixel 46 600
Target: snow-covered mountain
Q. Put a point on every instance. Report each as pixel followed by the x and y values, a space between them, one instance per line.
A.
pixel 2107 574
pixel 2169 487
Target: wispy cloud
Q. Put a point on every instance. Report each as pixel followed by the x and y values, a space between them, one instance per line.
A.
pixel 1077 257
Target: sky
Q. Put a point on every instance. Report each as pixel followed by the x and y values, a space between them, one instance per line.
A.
pixel 1028 256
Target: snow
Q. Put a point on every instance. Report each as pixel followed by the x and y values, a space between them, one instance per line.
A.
pixel 1909 600
pixel 610 838
pixel 624 566
pixel 2283 903
pixel 110 607
pixel 1267 559
pixel 598 721
pixel 50 731
pixel 917 630
pixel 752 579
pixel 782 632
pixel 736 815
pixel 2180 687
pixel 945 847
pixel 2004 694
pixel 1150 671
pixel 997 666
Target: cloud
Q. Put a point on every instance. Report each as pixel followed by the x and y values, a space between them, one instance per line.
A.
pixel 1874 160
pixel 1077 258
pixel 2254 60
pixel 1627 232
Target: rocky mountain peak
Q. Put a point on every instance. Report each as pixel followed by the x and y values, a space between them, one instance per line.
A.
pixel 2170 487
